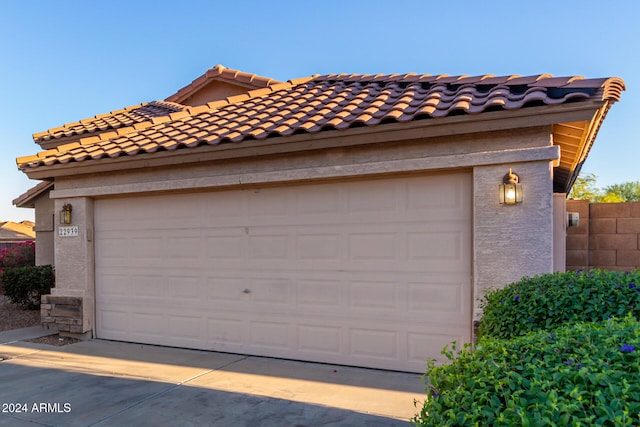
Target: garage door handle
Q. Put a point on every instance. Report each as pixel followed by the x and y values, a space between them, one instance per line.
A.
pixel 247 291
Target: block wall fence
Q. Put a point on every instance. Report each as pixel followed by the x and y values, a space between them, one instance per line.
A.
pixel 607 237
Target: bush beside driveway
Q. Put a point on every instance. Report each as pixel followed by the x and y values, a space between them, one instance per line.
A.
pixel 557 349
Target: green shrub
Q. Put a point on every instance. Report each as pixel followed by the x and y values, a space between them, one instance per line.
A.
pixel 25 285
pixel 18 255
pixel 579 375
pixel 551 300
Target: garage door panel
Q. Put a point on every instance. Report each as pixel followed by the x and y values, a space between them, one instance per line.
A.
pixel 270 334
pixel 420 343
pixel 375 295
pixel 447 246
pixel 114 321
pixel 151 325
pixel 446 297
pixel 444 193
pixel 372 200
pixel 319 293
pixel 318 247
pixel 320 338
pixel 226 208
pixel 374 343
pixel 188 330
pixel 274 291
pixel 224 288
pixel 269 247
pixel 113 285
pixel 225 247
pixel 186 289
pixel 326 200
pixel 371 273
pixel 225 333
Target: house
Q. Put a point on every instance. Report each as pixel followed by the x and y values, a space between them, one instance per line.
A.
pixel 12 233
pixel 349 219
pixel 42 231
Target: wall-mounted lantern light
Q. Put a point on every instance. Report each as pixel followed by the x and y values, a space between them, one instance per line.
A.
pixel 65 214
pixel 510 189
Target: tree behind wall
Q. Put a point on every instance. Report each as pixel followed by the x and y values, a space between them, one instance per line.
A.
pixel 585 188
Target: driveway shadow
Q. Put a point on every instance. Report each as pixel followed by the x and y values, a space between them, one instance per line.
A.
pixel 107 384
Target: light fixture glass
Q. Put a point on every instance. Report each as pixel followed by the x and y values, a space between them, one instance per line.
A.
pixel 510 191
pixel 65 214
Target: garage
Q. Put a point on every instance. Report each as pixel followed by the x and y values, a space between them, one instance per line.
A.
pixel 341 218
pixel 370 272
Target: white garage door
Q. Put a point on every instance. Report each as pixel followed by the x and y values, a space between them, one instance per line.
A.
pixel 373 273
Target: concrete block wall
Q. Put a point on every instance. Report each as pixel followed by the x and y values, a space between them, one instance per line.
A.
pixel 608 236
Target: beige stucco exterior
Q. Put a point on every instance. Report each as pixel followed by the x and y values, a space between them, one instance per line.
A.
pixel 45 227
pixel 75 259
pixel 153 255
pixel 219 90
pixel 512 241
pixel 508 241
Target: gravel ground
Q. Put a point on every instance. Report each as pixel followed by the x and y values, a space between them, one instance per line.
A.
pixel 14 317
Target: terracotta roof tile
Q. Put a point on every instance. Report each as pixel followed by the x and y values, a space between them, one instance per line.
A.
pixel 126 117
pixel 220 72
pixel 330 102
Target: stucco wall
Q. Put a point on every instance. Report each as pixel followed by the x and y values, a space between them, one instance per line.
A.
pixel 511 241
pixel 338 162
pixel 75 258
pixel 508 241
pixel 44 229
pixel 608 236
pixel 213 92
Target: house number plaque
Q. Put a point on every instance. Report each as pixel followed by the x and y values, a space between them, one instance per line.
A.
pixel 68 231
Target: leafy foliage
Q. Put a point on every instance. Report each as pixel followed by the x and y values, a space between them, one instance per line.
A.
pixel 25 285
pixel 627 191
pixel 580 375
pixel 550 300
pixel 585 188
pixel 18 255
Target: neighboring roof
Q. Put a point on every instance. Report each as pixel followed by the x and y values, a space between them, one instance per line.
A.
pixel 129 117
pixel 28 198
pixel 223 74
pixel 334 102
pixel 16 231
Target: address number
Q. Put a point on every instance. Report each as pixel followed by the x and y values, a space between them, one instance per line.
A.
pixel 68 231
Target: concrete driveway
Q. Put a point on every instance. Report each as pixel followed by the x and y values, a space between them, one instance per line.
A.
pixel 107 383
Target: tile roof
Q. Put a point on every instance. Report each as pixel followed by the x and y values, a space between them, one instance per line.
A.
pixel 16 231
pixel 333 102
pixel 28 198
pixel 118 119
pixel 222 73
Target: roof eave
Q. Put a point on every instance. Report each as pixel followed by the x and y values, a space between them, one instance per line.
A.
pixel 427 128
pixel 588 141
pixel 28 198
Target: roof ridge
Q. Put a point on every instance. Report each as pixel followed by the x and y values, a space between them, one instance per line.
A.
pixel 223 73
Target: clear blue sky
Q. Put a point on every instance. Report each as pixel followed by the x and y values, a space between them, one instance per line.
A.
pixel 64 60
